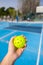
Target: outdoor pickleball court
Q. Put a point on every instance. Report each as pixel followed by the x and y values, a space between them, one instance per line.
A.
pixel 33 54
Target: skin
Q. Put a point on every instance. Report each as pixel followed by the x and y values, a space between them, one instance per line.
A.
pixel 12 54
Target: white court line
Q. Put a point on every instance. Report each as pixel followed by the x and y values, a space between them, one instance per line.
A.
pixel 27 49
pixel 39 51
pixel 26 31
pixel 5 41
pixel 7 35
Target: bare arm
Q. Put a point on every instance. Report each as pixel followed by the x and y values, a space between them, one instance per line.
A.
pixel 8 60
pixel 12 54
pixel 0 63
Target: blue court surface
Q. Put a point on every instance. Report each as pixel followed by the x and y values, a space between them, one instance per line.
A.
pixel 33 54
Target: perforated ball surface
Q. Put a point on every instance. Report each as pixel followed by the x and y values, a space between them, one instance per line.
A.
pixel 19 41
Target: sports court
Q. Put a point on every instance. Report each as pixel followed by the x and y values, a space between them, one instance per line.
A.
pixel 33 54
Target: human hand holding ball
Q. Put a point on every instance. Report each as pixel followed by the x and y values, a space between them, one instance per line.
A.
pixel 17 45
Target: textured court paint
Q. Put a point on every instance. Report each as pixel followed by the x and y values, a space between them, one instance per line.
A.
pixel 29 56
pixel 3 50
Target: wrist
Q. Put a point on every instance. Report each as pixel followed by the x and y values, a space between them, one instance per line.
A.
pixel 11 56
pixel 8 60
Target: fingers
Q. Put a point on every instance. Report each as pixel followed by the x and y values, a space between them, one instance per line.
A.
pixel 11 40
pixel 20 50
pixel 24 45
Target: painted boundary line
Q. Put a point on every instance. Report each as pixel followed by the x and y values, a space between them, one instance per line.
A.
pixel 12 33
pixel 39 51
pixel 7 35
pixel 27 49
pixel 26 31
pixel 5 41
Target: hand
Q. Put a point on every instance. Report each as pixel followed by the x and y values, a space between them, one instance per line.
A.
pixel 15 53
pixel 12 54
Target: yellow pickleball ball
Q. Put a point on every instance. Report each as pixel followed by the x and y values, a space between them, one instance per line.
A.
pixel 19 41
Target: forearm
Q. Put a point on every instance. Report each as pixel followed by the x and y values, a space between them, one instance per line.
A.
pixel 0 63
pixel 8 60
